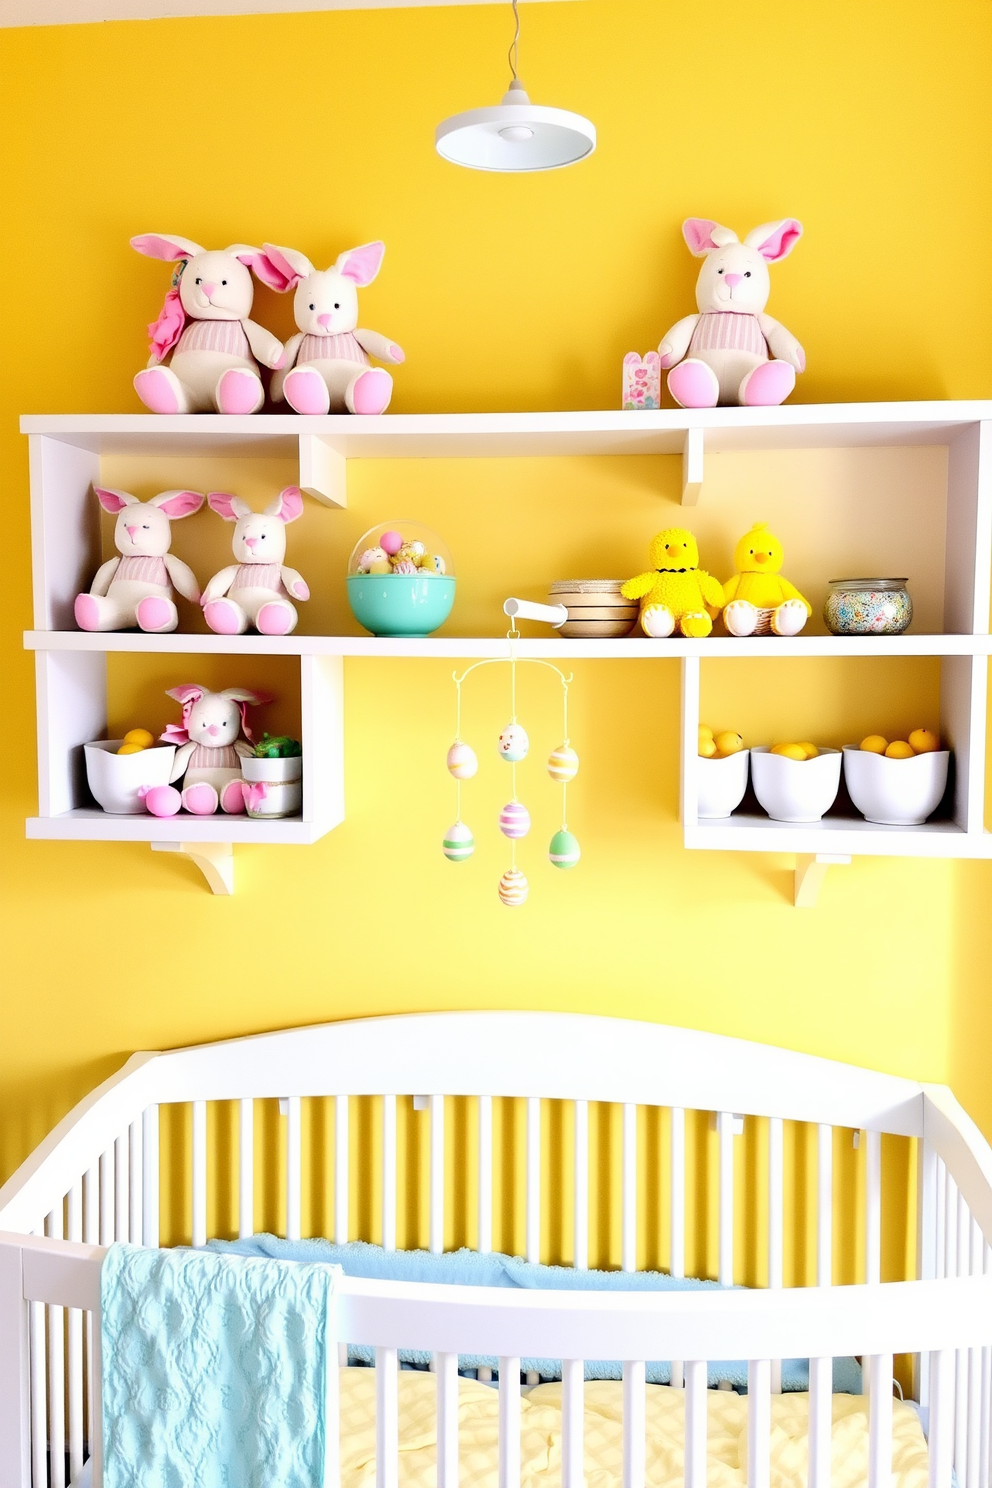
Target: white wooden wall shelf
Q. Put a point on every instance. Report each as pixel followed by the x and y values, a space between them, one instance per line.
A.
pixel 66 451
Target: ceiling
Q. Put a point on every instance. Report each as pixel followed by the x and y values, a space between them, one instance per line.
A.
pixel 66 12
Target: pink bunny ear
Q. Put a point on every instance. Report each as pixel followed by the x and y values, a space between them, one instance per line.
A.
pixel 227 506
pixel 288 505
pixel 165 245
pixel 261 266
pixel 114 501
pixel 247 696
pixel 186 692
pixel 286 265
pixel 178 504
pixel 361 264
pixel 697 232
pixel 775 240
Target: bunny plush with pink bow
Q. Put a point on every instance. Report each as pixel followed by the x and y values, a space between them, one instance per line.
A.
pixel 212 742
pixel 731 351
pixel 259 589
pixel 205 331
pixel 327 367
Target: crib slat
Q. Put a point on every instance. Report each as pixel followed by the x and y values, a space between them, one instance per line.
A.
pixel 199 1172
pixel 820 1421
pixel 940 1196
pixel 122 1186
pixel 759 1423
pixel 975 1263
pixel 634 1440
pixel 959 1267
pixel 134 1159
pixel 294 1168
pixel 676 1163
pixel 725 1141
pixel 436 1103
pixel 485 1217
pixel 695 1423
pixel 580 1203
pixel 91 1236
pixel 107 1197
pixel 880 1422
pixel 940 1439
pixel 332 1407
pixel 533 1248
pixel 54 1228
pixel 341 1176
pixel 509 1422
pixel 926 1253
pixel 149 1177
pixel 246 1168
pixel 74 1350
pixel 39 1403
pixel 389 1172
pixel 446 1369
pixel 873 1208
pixel 628 1232
pixel 386 1417
pixel 824 1204
pixel 572 1423
pixel 950 1225
pixel 985 1471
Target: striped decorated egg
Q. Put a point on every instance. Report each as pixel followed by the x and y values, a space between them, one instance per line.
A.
pixel 563 764
pixel 514 820
pixel 458 843
pixel 462 762
pixel 564 851
pixel 513 743
pixel 513 888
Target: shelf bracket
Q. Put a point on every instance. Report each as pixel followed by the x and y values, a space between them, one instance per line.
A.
pixel 692 466
pixel 323 471
pixel 215 861
pixel 811 869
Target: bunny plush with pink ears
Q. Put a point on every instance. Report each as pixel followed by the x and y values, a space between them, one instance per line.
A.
pixel 205 325
pixel 258 589
pixel 136 588
pixel 327 367
pixel 210 750
pixel 732 352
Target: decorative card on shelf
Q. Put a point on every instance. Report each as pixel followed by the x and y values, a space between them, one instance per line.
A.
pixel 642 380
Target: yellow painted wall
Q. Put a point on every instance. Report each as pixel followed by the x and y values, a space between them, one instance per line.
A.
pixel 871 123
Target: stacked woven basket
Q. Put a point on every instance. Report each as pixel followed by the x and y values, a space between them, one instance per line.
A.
pixel 596 608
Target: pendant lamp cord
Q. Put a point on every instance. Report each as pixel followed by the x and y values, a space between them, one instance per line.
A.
pixel 512 55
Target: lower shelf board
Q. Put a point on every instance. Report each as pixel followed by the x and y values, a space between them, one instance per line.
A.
pixel 838 835
pixel 89 824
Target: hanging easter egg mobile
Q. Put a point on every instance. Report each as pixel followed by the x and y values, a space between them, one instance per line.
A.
pixel 512 746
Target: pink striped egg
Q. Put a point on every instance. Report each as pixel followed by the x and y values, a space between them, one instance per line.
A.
pixel 513 888
pixel 462 762
pixel 563 764
pixel 514 820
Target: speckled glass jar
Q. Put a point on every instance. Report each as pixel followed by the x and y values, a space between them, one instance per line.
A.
pixel 868 607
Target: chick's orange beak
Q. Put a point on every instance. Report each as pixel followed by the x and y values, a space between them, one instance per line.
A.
pixel 762 557
pixel 673 549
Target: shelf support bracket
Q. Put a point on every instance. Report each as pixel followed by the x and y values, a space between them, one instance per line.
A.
pixel 215 861
pixel 323 471
pixel 692 466
pixel 811 869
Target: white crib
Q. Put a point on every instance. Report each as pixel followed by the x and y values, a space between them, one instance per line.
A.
pixel 107 1173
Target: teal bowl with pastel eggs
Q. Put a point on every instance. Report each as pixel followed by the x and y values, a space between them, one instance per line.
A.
pixel 410 605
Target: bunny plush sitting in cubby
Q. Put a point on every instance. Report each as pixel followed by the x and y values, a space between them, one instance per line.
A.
pixel 210 752
pixel 258 589
pixel 327 366
pixel 136 588
pixel 205 324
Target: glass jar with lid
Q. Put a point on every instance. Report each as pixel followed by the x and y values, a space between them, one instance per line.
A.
pixel 868 607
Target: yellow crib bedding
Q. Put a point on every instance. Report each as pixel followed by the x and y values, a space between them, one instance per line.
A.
pixel 540 1434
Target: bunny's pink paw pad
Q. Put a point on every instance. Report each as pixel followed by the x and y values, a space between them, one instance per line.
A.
pixel 694 385
pixel 232 798
pixel 275 618
pixel 305 391
pixel 223 617
pixel 157 615
pixel 159 390
pixel 200 799
pixel 239 391
pixel 87 612
pixel 768 385
pixel 372 392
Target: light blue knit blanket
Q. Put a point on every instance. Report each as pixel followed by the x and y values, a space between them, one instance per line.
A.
pixel 213 1370
pixel 470 1268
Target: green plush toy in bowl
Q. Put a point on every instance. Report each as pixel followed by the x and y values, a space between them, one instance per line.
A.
pixel 400 580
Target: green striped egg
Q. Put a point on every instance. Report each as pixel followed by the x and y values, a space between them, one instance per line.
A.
pixel 564 850
pixel 563 764
pixel 458 843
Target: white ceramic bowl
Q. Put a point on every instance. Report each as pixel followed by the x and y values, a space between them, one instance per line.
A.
pixel 795 790
pixel 896 792
pixel 115 779
pixel 721 784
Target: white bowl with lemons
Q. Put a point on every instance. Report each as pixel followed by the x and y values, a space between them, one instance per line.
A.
pixel 898 784
pixel 795 782
pixel 119 771
pixel 721 774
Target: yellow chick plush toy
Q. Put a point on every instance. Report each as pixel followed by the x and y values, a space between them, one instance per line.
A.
pixel 758 599
pixel 676 592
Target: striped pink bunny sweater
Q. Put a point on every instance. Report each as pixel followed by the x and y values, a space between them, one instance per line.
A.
pixel 342 348
pixel 727 330
pixel 216 335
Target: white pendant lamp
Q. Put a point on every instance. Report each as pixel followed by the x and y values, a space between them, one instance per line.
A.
pixel 516 135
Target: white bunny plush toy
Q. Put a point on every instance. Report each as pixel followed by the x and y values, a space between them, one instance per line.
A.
pixel 256 590
pixel 205 325
pixel 732 352
pixel 211 746
pixel 136 588
pixel 327 367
